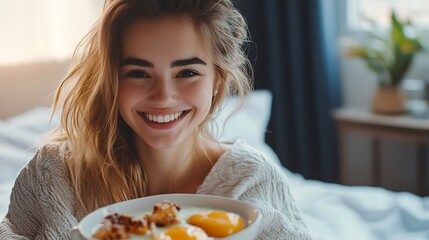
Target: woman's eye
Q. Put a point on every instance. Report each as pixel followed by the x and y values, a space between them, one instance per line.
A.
pixel 187 73
pixel 137 74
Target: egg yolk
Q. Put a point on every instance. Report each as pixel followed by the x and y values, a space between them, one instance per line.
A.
pixel 183 233
pixel 217 223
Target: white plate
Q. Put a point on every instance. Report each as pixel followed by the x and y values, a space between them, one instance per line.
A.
pixel 249 213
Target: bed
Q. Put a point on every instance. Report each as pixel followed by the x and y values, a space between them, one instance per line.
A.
pixel 331 211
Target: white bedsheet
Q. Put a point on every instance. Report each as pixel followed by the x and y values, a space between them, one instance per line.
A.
pixel 334 211
pixel 331 211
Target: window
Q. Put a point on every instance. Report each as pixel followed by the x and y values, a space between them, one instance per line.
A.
pixel 43 29
pixel 361 12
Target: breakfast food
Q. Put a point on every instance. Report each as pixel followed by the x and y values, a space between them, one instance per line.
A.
pixel 119 226
pixel 170 221
pixel 217 223
pixel 164 214
pixel 183 233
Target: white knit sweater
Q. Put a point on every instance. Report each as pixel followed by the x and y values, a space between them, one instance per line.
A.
pixel 42 199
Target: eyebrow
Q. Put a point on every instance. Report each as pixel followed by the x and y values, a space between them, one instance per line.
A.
pixel 136 61
pixel 177 63
pixel 185 62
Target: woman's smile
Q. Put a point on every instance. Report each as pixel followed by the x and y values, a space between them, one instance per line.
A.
pixel 163 121
pixel 163 118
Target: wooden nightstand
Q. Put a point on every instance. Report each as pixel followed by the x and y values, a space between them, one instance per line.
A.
pixel 386 151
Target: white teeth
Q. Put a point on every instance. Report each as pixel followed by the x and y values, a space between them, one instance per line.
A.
pixel 166 118
pixel 163 119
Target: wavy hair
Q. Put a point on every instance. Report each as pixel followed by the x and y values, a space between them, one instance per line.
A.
pixel 100 161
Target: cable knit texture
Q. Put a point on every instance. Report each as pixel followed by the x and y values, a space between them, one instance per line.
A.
pixel 42 200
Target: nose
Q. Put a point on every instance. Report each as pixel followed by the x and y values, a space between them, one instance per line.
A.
pixel 163 93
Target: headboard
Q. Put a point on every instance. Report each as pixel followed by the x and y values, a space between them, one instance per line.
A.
pixel 29 85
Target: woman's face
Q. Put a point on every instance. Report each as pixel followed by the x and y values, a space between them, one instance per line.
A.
pixel 166 80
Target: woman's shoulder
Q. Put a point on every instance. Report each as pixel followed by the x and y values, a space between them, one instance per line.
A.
pixel 43 190
pixel 48 159
pixel 244 154
pixel 244 160
pixel 46 173
pixel 238 169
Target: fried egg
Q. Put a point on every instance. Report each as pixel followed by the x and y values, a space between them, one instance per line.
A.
pixel 183 233
pixel 217 223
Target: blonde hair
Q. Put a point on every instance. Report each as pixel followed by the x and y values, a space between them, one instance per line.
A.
pixel 102 166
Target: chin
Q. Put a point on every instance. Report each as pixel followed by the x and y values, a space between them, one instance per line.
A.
pixel 163 143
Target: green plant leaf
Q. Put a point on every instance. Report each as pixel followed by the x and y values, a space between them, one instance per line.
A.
pixel 390 56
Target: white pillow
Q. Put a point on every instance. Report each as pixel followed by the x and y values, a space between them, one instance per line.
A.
pixel 249 123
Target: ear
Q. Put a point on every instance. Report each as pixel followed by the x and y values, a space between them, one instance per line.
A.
pixel 216 88
pixel 220 78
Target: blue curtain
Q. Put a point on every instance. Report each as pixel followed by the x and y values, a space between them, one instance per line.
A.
pixel 295 56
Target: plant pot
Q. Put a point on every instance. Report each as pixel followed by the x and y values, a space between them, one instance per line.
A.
pixel 389 101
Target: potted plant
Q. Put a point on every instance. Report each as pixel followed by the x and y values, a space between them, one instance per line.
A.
pixel 389 57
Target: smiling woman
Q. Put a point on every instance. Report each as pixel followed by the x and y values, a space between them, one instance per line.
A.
pixel 144 85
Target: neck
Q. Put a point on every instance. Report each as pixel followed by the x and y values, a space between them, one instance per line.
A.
pixel 180 168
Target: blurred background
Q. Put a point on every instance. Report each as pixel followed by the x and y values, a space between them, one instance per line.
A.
pixel 323 124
